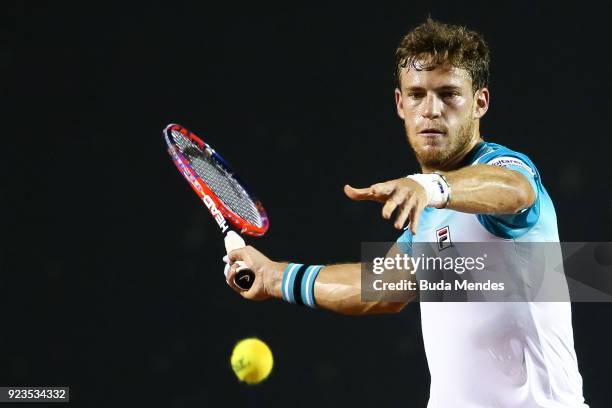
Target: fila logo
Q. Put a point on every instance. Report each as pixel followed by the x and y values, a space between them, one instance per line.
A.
pixel 443 238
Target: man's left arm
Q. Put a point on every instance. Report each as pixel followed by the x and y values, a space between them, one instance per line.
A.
pixel 485 189
pixel 477 189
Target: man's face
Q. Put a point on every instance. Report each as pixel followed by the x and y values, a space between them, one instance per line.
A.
pixel 440 113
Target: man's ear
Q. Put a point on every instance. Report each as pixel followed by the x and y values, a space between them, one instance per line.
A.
pixel 482 103
pixel 399 104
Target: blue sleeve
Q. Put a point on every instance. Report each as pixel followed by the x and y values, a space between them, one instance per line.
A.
pixel 511 226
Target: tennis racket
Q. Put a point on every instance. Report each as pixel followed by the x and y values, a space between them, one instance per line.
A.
pixel 222 192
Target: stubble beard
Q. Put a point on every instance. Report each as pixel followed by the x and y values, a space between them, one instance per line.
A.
pixel 439 159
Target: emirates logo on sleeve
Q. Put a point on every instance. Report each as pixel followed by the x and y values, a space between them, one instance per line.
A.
pixel 443 238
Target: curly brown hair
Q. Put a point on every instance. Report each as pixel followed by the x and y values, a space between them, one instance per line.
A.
pixel 439 43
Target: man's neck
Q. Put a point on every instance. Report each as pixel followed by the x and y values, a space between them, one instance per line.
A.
pixel 457 160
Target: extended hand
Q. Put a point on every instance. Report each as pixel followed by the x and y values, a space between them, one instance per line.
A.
pixel 403 193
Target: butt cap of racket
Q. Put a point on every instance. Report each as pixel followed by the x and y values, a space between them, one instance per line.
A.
pixel 244 276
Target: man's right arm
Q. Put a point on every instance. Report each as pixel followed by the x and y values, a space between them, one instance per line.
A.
pixel 337 287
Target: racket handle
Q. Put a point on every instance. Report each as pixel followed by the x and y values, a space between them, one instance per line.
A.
pixel 244 276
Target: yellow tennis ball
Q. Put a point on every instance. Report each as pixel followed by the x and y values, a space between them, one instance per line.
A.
pixel 252 360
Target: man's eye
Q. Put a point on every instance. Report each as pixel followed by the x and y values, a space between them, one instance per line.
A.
pixel 415 95
pixel 447 95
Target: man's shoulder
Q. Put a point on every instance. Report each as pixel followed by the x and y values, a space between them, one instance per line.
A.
pixel 499 155
pixel 487 150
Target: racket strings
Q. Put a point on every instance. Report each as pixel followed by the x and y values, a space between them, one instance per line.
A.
pixel 227 189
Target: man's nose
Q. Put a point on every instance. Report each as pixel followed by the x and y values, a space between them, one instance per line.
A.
pixel 432 106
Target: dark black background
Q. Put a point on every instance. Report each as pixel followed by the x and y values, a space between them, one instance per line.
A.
pixel 111 275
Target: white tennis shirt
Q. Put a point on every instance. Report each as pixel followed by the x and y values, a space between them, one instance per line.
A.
pixel 498 354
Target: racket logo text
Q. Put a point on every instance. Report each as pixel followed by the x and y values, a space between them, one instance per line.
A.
pixel 210 204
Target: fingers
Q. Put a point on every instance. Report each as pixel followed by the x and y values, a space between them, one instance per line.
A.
pixel 357 194
pixel 407 206
pixel 249 258
pixel 233 269
pixel 400 193
pixel 239 254
pixel 231 281
pixel 376 192
pixel 235 259
pixel 403 214
pixel 391 204
pixel 410 212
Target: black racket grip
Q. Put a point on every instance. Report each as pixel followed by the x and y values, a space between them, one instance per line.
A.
pixel 244 279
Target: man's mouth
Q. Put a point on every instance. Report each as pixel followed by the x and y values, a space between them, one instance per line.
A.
pixel 431 133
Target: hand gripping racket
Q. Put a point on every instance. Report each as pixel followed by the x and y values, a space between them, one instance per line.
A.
pixel 223 193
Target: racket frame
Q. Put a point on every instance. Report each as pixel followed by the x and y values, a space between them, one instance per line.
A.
pixel 220 212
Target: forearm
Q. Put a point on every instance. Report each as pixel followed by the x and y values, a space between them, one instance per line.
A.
pixel 484 189
pixel 338 288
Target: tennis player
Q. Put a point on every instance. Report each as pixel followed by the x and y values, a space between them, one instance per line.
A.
pixel 480 354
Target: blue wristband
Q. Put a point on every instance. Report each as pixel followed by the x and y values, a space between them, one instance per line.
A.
pixel 297 285
pixel 288 282
pixel 307 285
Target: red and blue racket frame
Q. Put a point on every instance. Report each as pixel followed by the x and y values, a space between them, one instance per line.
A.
pixel 217 208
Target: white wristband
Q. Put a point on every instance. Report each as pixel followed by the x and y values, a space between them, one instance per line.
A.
pixel 436 186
